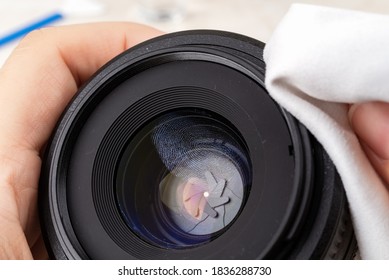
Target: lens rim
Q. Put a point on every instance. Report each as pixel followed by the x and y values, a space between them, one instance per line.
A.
pixel 156 102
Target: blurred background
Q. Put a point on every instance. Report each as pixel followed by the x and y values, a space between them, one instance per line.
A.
pixel 255 18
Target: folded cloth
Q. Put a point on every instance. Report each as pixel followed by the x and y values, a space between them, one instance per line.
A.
pixel 318 61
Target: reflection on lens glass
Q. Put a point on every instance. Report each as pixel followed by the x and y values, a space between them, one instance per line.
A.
pixel 202 201
pixel 183 178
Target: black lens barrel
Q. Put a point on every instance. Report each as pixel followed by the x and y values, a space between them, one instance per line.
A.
pixel 105 163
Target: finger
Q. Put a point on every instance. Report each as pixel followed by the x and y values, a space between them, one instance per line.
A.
pixel 46 69
pixel 38 250
pixel 36 83
pixel 379 164
pixel 370 122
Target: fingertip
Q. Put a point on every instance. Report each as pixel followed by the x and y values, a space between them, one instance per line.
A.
pixel 370 122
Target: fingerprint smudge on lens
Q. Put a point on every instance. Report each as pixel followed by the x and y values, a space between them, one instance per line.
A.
pixel 203 189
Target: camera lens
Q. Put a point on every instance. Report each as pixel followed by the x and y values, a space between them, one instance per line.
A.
pixel 174 150
pixel 198 173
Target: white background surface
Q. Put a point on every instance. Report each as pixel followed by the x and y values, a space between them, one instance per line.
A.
pixel 255 18
pixel 280 270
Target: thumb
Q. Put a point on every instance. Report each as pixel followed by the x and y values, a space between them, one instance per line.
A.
pixel 370 122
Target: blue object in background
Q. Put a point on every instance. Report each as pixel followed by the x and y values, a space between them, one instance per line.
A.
pixel 30 27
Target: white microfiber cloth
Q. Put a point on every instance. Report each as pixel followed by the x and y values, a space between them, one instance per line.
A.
pixel 318 61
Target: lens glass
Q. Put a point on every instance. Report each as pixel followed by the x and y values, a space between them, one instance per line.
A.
pixel 183 179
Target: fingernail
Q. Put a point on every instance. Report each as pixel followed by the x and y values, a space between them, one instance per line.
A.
pixel 351 111
pixel 370 122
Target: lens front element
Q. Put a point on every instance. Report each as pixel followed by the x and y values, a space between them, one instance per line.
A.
pixel 182 179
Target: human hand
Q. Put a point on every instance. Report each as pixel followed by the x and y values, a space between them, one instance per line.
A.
pixel 36 83
pixel 370 122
